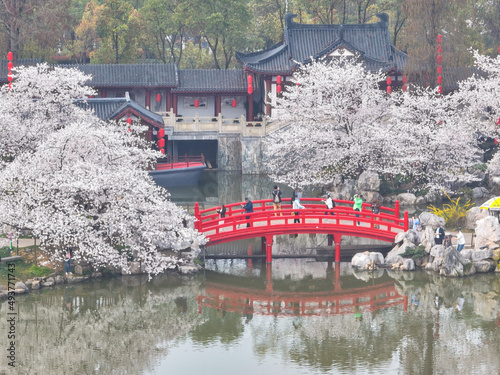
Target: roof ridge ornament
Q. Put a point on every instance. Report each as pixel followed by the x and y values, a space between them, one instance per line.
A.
pixel 384 19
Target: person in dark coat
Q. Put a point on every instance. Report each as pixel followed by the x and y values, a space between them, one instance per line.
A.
pixel 439 235
pixel 248 206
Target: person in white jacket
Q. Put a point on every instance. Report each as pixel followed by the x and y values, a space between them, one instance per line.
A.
pixel 297 206
pixel 460 240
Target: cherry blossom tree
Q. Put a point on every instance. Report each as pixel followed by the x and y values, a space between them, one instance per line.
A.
pixel 73 180
pixel 339 123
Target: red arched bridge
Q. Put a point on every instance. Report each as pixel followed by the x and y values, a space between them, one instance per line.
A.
pixel 265 222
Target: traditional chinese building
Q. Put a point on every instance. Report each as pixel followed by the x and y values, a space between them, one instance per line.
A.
pixel 303 43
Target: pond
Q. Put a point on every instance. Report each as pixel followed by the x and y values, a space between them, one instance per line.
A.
pixel 242 316
pixel 295 316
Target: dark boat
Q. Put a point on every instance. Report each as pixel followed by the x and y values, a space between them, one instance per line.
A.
pixel 179 170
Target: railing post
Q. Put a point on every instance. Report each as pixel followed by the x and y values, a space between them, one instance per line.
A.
pixel 396 210
pixel 405 224
pixel 197 216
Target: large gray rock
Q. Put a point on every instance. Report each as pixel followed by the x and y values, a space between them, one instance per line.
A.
pixel 35 284
pixel 361 260
pixel 21 285
pixel 473 216
pixel 480 255
pixel 394 256
pixel 437 251
pixel 479 192
pixel 409 236
pixel 484 266
pixel 487 232
pixel 406 199
pixel 409 265
pixel 427 238
pixel 428 219
pixel 452 266
pixel 369 181
pixel 48 282
pixel 188 269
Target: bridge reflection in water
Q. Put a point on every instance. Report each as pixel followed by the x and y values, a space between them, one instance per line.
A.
pixel 226 296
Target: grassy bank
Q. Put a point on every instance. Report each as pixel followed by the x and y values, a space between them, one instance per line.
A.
pixel 25 268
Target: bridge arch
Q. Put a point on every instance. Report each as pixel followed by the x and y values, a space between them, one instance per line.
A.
pixel 265 222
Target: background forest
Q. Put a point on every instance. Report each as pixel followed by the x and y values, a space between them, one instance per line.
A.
pixel 207 33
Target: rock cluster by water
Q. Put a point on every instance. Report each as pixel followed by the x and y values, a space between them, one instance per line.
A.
pixel 445 260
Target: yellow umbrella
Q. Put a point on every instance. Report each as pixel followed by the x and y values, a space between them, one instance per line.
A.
pixel 492 204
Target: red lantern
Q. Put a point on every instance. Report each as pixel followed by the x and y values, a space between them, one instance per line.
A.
pixel 250 79
pixel 439 49
pixel 9 78
pixel 439 59
pixel 161 133
pixel 160 143
pixel 389 80
pixel 250 89
pixel 278 80
pixel 405 78
pixel 10 56
pixel 389 89
pixel 91 96
pixel 439 38
pixel 278 89
pixel 439 80
pixel 129 121
pixel 496 141
pixel 10 65
pixel 498 121
pixel 440 90
pixel 196 103
pixel 439 69
pixel 162 150
pixel 405 88
pixel 234 103
pixel 158 97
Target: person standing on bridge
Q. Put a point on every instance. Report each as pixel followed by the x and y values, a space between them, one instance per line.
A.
pixel 297 206
pixel 330 203
pixel 248 206
pixel 277 199
pixel 358 204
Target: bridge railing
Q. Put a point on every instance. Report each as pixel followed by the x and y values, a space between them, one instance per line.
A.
pixel 315 216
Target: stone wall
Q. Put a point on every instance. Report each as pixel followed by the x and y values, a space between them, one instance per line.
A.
pixel 229 152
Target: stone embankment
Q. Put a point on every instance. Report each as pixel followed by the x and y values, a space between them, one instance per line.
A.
pixel 480 257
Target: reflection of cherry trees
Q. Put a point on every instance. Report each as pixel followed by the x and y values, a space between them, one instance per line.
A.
pixel 102 328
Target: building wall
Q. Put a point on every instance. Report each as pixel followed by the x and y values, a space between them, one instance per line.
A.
pixel 229 152
pixel 186 108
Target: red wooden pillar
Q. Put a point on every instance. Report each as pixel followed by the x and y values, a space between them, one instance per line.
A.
pixel 269 249
pixel 148 99
pixel 250 107
pixel 174 104
pixel 168 102
pixel 405 303
pixel 396 209
pixel 197 216
pixel 406 221
pixel 218 105
pixel 337 238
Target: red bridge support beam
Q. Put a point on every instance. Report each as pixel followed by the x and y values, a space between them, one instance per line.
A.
pixel 269 248
pixel 337 238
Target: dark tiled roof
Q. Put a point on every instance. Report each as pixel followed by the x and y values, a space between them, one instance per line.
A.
pixel 130 75
pixel 203 80
pixel 303 42
pixel 113 108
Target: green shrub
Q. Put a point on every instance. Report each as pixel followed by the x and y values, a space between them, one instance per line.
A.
pixel 414 253
pixel 36 271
